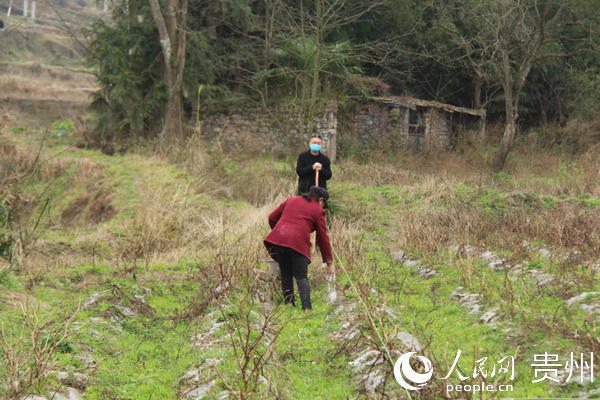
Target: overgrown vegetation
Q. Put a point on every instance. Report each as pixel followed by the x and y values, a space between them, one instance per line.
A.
pixel 164 261
pixel 527 63
pixel 138 275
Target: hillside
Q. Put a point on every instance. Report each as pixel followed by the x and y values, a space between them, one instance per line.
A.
pixel 147 278
pixel 42 65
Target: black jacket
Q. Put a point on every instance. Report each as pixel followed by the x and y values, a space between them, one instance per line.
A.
pixel 306 173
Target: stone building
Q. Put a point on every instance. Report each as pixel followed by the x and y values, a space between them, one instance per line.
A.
pixel 415 124
pixel 277 130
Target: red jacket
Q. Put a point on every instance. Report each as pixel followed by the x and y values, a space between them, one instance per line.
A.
pixel 292 223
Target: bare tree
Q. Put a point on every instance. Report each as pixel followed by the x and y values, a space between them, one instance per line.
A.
pixel 170 19
pixel 310 23
pixel 502 40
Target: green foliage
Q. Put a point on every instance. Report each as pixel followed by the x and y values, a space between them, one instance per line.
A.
pixel 589 201
pixel 19 129
pixel 126 55
pixel 63 127
pixel 279 51
pixel 8 280
pixel 6 238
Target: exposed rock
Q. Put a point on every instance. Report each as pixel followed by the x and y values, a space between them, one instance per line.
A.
pixel 467 249
pixel 346 332
pixel 89 360
pixel 516 269
pixel 74 394
pixel 211 362
pixel 541 278
pixel 406 261
pixel 201 391
pixel 372 381
pixel 591 308
pixel 127 312
pixel 591 394
pixel 468 300
pixel 366 359
pixel 57 396
pixel 33 397
pixel 346 308
pixel 268 306
pixel 93 299
pixel 544 252
pixel 425 272
pixel 263 380
pixel 470 250
pixel 526 245
pixel 400 256
pixel 387 310
pixel 147 291
pixel 202 339
pixel 141 299
pixel 76 379
pixel 494 262
pixel 581 297
pixel 489 315
pixel 576 377
pixel 223 395
pixel 193 375
pixel 409 341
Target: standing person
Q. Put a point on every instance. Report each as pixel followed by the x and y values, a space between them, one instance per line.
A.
pixel 289 241
pixel 311 161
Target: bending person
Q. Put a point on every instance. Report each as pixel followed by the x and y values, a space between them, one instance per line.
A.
pixel 289 241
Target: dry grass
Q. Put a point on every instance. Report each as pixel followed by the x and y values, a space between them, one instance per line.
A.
pixel 19 162
pixel 32 356
pixel 38 82
pixel 222 174
pixel 89 209
pixel 449 216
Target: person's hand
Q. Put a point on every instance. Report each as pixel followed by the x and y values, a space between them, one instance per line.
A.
pixel 330 272
pixel 317 166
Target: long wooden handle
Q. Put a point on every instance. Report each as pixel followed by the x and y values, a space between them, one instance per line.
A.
pixel 317 178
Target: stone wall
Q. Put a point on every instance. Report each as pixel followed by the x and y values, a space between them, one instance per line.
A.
pixel 437 131
pixel 414 130
pixel 371 121
pixel 276 130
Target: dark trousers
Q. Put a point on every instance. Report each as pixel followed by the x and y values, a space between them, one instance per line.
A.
pixel 293 265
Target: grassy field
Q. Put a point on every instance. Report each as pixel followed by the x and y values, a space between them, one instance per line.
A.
pixel 139 277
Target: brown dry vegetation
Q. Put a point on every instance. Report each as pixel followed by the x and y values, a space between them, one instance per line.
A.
pixel 38 82
pixel 131 210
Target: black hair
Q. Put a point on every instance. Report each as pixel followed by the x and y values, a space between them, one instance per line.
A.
pixel 308 196
pixel 317 136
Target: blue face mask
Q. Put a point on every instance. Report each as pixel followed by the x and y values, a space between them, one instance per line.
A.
pixel 315 148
